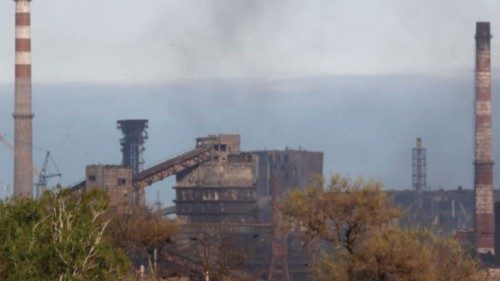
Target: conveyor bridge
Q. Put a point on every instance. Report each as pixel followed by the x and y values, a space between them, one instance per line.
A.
pixel 172 166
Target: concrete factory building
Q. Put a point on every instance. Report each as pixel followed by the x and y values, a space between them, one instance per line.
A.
pixel 115 180
pixel 234 186
pixel 222 190
pixel 216 182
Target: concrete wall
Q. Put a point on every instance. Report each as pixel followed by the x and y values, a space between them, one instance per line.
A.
pixel 221 190
pixel 295 168
pixel 219 174
pixel 115 180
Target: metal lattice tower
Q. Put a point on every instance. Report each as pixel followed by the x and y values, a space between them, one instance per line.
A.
pixel 419 172
pixel 278 268
pixel 132 142
pixel 134 136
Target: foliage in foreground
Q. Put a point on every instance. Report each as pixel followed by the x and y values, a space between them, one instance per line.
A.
pixel 58 237
pixel 354 224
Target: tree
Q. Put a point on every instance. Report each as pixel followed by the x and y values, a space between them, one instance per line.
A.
pixel 58 237
pixel 353 223
pixel 141 234
pixel 150 239
pixel 140 230
pixel 212 256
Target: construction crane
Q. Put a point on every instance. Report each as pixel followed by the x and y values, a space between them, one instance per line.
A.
pixel 44 175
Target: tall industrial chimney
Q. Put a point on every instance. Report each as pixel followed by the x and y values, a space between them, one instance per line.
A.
pixel 23 147
pixel 483 164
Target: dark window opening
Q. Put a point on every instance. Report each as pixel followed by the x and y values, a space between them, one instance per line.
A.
pixel 122 181
pixel 223 147
pixel 216 147
pixel 91 178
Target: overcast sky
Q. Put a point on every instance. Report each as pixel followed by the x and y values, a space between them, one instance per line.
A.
pixel 163 40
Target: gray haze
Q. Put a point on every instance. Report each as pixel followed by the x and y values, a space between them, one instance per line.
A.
pixel 359 80
pixel 366 125
pixel 130 41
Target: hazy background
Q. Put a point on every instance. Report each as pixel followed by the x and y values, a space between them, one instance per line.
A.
pixel 359 80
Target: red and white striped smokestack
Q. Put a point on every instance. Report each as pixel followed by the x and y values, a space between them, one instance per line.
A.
pixel 483 165
pixel 23 147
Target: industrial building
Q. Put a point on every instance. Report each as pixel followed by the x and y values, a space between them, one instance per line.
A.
pixel 221 190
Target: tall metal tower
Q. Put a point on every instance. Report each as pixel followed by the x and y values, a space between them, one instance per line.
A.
pixel 23 116
pixel 278 267
pixel 419 172
pixel 134 137
pixel 483 163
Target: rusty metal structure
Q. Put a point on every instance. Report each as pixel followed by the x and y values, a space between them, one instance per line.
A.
pixel 44 175
pixel 419 164
pixel 278 266
pixel 416 214
pixel 172 167
pixel 132 148
pixel 221 190
pixel 132 143
pixel 23 115
pixel 483 163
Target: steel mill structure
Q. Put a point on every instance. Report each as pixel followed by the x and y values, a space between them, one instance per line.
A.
pixel 132 143
pixel 419 164
pixel 23 116
pixel 483 163
pixel 221 190
pixel 416 214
